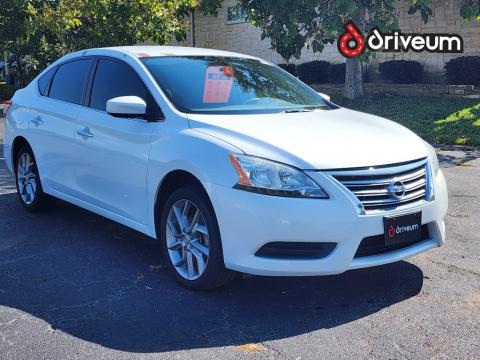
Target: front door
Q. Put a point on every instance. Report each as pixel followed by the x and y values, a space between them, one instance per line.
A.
pixel 112 163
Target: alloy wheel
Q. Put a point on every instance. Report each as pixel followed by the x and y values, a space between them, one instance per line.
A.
pixel 26 178
pixel 187 239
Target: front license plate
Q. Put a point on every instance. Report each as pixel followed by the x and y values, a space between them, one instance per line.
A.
pixel 404 228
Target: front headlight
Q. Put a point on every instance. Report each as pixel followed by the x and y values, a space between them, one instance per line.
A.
pixel 432 156
pixel 272 178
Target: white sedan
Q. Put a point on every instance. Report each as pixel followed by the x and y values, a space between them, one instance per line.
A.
pixel 231 163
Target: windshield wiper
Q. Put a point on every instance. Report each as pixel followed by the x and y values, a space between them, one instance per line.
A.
pixel 309 108
pixel 297 110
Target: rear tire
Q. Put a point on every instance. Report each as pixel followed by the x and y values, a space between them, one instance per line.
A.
pixel 29 186
pixel 191 240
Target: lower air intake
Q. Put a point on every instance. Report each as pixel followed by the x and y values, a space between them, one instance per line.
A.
pixel 296 250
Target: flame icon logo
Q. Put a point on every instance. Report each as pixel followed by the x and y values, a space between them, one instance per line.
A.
pixel 351 43
pixel 391 231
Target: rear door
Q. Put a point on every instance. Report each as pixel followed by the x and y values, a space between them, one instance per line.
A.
pixel 52 122
pixel 111 166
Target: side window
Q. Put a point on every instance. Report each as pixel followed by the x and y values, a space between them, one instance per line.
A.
pixel 70 81
pixel 113 79
pixel 44 81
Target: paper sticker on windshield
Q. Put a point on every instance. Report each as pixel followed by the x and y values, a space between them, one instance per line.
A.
pixel 218 84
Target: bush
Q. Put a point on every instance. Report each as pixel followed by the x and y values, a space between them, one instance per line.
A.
pixel 313 72
pixel 464 70
pixel 7 91
pixel 336 73
pixel 401 71
pixel 291 68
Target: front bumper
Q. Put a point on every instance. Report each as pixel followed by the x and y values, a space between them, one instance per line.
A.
pixel 247 221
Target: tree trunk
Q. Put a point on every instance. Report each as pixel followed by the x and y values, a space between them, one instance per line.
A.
pixel 353 72
pixel 353 79
pixel 192 32
pixel 5 57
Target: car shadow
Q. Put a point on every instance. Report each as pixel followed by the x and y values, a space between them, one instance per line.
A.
pixel 457 156
pixel 104 283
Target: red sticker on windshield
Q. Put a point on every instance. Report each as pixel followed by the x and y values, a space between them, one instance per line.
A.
pixel 218 84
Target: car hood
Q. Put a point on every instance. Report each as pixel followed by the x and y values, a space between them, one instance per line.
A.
pixel 322 139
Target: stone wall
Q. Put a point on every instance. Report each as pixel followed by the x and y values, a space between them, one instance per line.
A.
pixel 406 89
pixel 216 33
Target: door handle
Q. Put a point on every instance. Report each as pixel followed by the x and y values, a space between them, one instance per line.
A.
pixel 85 132
pixel 37 121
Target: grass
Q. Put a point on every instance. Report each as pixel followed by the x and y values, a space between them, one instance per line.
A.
pixel 438 120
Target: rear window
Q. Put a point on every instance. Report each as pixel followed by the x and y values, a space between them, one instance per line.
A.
pixel 70 81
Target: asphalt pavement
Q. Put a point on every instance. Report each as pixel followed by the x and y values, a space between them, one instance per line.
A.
pixel 74 285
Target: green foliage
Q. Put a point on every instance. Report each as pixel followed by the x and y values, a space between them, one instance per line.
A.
pixel 40 31
pixel 464 70
pixel 470 9
pixel 294 24
pixel 423 6
pixel 7 91
pixel 291 68
pixel 438 120
pixel 98 23
pixel 401 71
pixel 210 6
pixel 313 72
pixel 317 72
pixel 336 73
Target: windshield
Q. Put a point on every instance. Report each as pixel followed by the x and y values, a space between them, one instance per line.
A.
pixel 225 85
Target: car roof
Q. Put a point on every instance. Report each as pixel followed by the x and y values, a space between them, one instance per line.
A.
pixel 151 51
pixel 145 51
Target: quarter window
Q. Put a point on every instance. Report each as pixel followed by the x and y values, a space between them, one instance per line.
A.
pixel 44 81
pixel 113 79
pixel 70 81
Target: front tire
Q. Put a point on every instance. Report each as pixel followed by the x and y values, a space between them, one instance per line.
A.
pixel 29 186
pixel 191 240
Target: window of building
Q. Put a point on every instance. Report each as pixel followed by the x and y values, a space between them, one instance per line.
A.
pixel 236 15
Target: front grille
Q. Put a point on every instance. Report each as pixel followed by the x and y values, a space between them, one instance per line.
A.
pixel 375 245
pixel 371 185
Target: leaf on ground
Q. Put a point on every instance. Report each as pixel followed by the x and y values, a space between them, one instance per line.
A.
pixel 156 267
pixel 250 348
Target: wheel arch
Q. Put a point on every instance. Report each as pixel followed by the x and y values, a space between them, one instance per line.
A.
pixel 17 144
pixel 173 180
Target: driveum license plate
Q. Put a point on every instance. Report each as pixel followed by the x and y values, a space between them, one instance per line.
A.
pixel 403 228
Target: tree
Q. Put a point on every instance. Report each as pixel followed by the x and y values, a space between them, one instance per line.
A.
pixel 292 25
pixel 126 22
pixel 29 32
pixel 39 31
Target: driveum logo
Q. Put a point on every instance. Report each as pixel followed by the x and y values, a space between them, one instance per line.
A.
pixel 392 230
pixel 352 43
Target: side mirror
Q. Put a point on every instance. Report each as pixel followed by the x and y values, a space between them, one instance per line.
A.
pixel 127 106
pixel 325 96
